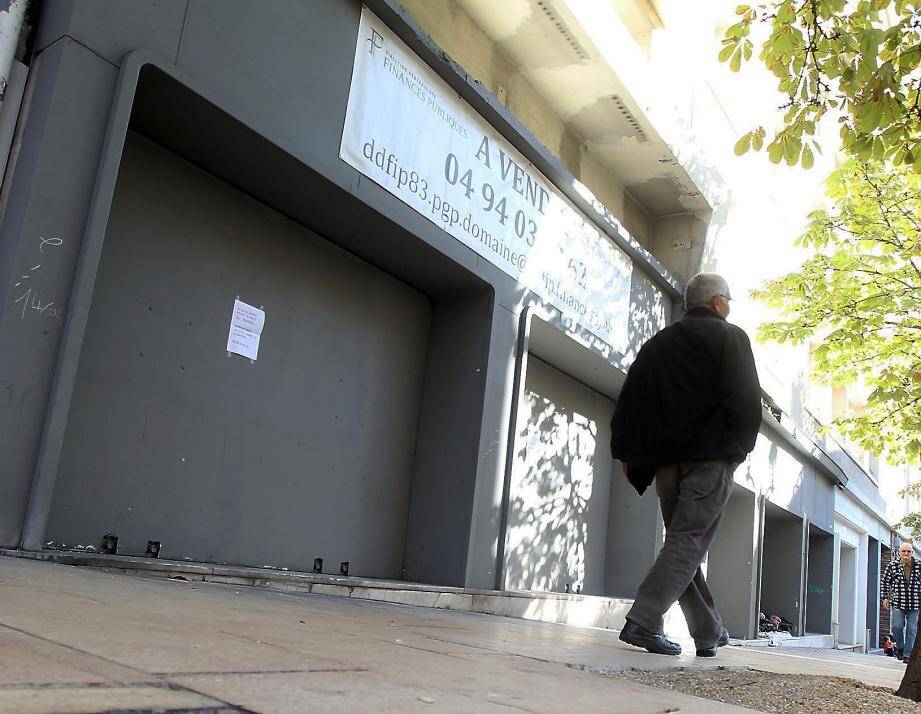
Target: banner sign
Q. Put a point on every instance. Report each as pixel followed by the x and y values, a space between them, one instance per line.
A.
pixel 409 132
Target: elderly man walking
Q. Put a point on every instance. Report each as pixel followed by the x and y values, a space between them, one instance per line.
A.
pixel 687 416
pixel 901 590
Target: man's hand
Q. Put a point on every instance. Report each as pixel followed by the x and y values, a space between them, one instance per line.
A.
pixel 885 603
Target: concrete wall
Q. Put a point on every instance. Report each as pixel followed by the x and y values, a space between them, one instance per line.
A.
pixel 847 594
pixel 442 490
pixel 872 593
pixel 635 533
pixel 820 581
pixel 308 452
pixel 561 486
pixel 48 185
pixel 773 469
pixel 731 571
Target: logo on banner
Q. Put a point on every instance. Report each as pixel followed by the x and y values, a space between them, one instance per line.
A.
pixel 375 41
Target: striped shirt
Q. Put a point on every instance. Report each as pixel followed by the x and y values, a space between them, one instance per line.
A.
pixel 894 588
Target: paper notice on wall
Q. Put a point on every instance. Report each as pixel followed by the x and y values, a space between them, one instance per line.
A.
pixel 246 325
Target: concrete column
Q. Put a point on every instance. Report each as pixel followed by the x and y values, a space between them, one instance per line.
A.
pixel 46 197
pixel 872 590
pixel 486 517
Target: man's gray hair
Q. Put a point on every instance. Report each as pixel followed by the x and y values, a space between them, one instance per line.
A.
pixel 703 287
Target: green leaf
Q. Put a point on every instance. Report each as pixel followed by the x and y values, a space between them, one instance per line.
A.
pixel 735 64
pixel 808 159
pixel 743 144
pixel 869 46
pixel 726 52
pixel 868 116
pixel 775 152
pixel 785 13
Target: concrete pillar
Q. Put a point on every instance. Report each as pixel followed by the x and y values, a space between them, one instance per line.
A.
pixel 486 518
pixel 46 198
pixel 873 573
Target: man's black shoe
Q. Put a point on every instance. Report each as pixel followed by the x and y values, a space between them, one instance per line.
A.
pixel 638 636
pixel 722 641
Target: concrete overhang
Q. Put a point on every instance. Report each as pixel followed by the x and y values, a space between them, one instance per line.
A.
pixel 583 60
pixel 789 432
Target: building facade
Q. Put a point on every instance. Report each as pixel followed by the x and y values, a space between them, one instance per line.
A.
pixel 453 224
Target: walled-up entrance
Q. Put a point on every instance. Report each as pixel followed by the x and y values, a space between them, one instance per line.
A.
pixel 819 580
pixel 366 389
pixel 847 596
pixel 574 522
pixel 308 452
pixel 731 572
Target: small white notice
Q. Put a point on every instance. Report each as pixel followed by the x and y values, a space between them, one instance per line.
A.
pixel 245 329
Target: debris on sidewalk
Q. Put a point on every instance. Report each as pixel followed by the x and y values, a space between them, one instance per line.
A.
pixel 776 693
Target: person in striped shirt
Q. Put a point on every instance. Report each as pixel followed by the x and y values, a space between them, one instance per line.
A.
pixel 901 590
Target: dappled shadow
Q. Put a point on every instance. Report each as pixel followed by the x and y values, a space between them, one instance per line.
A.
pixel 649 313
pixel 559 500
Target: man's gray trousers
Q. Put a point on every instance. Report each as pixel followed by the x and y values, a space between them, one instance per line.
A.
pixel 693 496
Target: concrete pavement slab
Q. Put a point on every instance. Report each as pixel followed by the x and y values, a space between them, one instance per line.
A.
pixel 79 700
pixel 24 654
pixel 535 688
pixel 276 651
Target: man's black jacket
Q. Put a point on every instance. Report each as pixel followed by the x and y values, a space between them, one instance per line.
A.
pixel 692 394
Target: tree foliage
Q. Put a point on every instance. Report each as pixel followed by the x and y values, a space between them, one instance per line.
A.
pixel 859 297
pixel 857 62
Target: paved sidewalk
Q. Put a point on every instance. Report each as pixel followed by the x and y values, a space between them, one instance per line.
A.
pixel 78 640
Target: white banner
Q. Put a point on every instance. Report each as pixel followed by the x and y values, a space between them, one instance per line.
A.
pixel 408 131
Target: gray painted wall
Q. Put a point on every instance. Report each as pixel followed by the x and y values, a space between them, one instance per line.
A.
pixel 847 596
pixel 634 536
pixel 873 573
pixel 446 453
pixel 819 581
pixel 306 453
pixel 46 194
pixel 731 572
pixel 793 485
pixel 560 492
